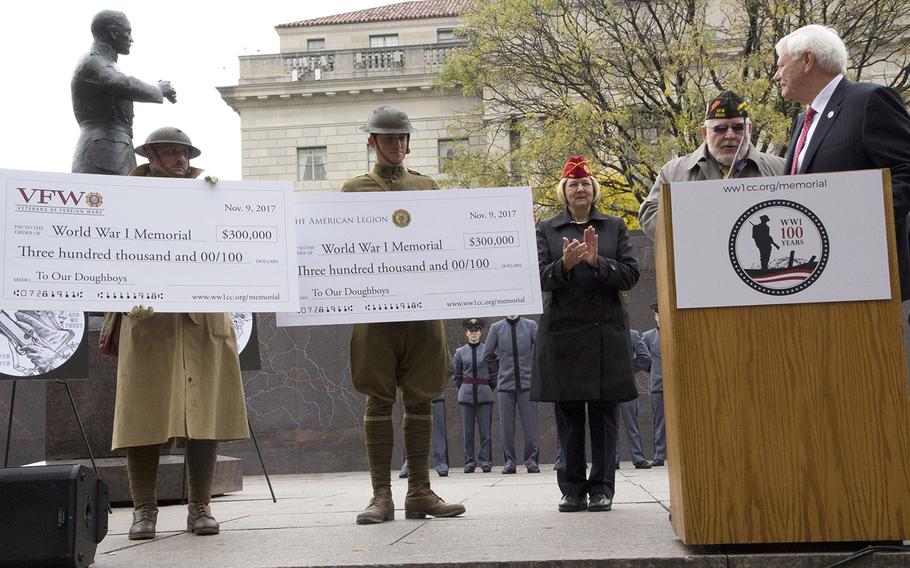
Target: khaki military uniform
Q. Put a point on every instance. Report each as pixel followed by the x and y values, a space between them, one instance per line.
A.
pixel 411 356
pixel 178 376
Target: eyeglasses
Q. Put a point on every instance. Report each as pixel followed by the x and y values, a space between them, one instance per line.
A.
pixel 722 128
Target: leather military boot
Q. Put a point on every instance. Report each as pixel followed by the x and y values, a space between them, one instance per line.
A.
pixel 421 502
pixel 381 508
pixel 199 520
pixel 144 520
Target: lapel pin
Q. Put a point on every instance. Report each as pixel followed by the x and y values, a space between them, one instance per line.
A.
pixel 830 113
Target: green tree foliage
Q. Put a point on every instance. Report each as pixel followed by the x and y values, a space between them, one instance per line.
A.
pixel 626 82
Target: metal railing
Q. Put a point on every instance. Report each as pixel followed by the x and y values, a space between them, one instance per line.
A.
pixel 344 64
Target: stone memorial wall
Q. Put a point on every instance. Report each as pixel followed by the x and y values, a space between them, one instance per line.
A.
pixel 304 409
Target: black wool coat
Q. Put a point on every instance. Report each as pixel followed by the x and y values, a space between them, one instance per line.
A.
pixel 584 351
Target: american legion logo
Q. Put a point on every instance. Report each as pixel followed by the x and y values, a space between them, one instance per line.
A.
pixel 401 218
pixel 778 247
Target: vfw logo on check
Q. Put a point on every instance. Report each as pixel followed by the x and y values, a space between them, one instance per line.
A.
pixel 58 197
pixel 778 247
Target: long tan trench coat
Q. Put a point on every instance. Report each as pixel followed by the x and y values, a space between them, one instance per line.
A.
pixel 178 376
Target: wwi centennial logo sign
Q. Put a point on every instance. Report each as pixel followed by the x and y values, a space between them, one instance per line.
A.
pixel 779 247
pixel 771 239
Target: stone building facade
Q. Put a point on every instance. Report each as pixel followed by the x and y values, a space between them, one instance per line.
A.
pixel 301 109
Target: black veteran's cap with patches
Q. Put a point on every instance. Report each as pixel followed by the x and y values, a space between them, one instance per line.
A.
pixel 473 324
pixel 726 105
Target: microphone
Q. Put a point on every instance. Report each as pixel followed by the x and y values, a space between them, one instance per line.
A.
pixel 743 109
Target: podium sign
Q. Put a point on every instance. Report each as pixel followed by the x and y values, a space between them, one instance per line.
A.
pixel 780 240
pixel 788 414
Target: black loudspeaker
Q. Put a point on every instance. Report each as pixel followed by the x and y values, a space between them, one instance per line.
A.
pixel 51 515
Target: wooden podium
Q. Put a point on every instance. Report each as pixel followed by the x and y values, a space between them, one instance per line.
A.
pixel 785 423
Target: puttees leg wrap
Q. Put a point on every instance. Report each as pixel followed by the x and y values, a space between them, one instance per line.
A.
pixel 418 428
pixel 377 427
pixel 200 469
pixel 142 468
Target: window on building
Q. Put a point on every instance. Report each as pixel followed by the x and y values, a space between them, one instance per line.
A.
pixel 315 44
pixel 385 40
pixel 646 128
pixel 371 157
pixel 311 163
pixel 514 134
pixel 447 149
pixel 445 34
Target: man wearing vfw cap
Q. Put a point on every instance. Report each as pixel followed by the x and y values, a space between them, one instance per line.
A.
pixel 178 377
pixel 727 146
pixel 391 356
pixel 475 396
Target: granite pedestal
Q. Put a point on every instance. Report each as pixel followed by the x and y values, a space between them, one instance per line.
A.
pixel 228 477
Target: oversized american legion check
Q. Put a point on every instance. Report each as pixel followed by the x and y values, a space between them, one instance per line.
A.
pixel 107 243
pixel 415 255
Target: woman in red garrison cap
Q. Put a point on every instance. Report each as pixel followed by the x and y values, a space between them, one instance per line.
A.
pixel 583 352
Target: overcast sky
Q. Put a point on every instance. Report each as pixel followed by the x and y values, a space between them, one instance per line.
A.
pixel 195 45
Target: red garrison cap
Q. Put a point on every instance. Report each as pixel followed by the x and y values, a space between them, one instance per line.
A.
pixel 577 167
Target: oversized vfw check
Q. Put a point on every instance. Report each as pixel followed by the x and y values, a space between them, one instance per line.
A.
pixel 415 255
pixel 107 243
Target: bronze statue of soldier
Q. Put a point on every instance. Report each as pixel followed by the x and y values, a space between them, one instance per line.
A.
pixel 103 99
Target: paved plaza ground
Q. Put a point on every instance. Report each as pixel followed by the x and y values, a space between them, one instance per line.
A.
pixel 510 520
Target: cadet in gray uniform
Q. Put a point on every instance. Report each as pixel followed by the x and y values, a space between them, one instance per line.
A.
pixel 641 361
pixel 440 454
pixel 651 339
pixel 440 442
pixel 475 396
pixel 509 352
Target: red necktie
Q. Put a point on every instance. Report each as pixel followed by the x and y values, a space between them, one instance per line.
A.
pixel 807 124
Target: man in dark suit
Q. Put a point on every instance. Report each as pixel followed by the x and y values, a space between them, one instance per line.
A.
pixel 848 125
